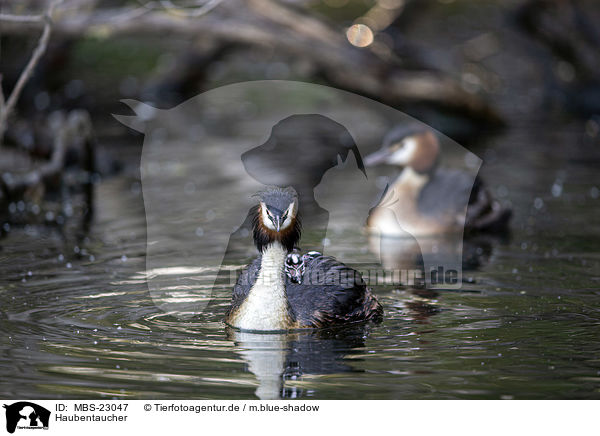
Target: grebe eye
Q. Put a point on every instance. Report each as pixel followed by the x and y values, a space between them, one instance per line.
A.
pixel 284 217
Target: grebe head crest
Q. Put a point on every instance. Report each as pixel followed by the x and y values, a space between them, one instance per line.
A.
pixel 277 218
pixel 411 145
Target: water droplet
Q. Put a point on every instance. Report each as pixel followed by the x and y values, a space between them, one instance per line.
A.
pixel 592 128
pixel 556 190
pixel 210 215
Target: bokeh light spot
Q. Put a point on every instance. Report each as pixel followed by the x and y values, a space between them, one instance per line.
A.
pixel 360 35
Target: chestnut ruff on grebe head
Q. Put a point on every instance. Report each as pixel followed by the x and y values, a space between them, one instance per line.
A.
pixel 276 218
pixel 413 145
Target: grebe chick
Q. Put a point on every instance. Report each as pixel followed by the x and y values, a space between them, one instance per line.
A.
pixel 281 292
pixel 426 199
pixel 295 264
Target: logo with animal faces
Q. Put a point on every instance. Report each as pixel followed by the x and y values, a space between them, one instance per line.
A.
pixel 25 415
pixel 203 160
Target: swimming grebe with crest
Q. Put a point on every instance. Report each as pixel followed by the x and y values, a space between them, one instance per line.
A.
pixel 427 199
pixel 273 293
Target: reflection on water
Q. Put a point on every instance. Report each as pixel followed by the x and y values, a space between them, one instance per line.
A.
pixel 403 257
pixel 276 359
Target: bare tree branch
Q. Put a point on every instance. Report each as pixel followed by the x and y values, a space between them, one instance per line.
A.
pixel 273 25
pixel 192 12
pixel 7 108
pixel 22 18
pixel 2 101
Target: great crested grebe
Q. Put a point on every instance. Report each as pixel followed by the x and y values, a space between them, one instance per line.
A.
pixel 323 293
pixel 426 199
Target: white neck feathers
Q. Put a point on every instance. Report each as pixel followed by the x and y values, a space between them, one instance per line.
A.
pixel 411 182
pixel 266 306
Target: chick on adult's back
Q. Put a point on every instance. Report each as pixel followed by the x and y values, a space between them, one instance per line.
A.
pixel 264 298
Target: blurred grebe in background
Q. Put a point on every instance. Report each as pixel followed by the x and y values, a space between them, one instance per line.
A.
pixel 426 199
